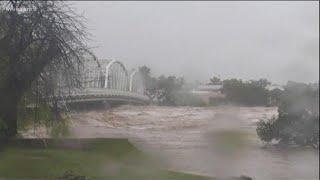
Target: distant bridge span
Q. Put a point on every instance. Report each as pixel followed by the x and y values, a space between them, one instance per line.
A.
pixel 92 95
pixel 108 81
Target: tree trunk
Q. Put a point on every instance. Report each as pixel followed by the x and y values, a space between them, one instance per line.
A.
pixel 8 112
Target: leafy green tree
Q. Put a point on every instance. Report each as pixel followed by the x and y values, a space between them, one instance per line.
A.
pixel 215 81
pixel 166 89
pixel 275 97
pixel 263 83
pixel 252 93
pixel 298 116
pixel 38 41
pixel 149 82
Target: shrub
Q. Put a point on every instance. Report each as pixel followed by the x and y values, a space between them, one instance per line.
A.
pixel 298 117
pixel 43 115
pixel 265 130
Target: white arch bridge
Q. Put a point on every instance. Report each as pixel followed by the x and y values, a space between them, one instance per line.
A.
pixel 109 81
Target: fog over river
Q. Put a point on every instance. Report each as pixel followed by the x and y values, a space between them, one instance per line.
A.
pixel 216 141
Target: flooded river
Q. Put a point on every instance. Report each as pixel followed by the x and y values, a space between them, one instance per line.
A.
pixel 215 141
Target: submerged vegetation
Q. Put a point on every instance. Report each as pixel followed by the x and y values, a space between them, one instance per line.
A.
pixel 298 117
pixel 34 116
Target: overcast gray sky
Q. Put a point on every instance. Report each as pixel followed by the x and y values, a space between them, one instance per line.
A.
pixel 250 40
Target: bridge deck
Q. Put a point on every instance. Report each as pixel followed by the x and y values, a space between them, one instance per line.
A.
pixel 102 94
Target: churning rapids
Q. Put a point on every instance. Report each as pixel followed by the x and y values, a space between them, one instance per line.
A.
pixel 189 139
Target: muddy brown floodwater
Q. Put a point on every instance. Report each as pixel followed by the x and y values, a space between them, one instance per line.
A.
pixel 215 141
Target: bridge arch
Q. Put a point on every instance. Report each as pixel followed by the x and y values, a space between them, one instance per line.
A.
pixel 116 76
pixel 136 83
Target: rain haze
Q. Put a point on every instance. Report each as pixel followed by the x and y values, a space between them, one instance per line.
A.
pixel 197 40
pixel 179 90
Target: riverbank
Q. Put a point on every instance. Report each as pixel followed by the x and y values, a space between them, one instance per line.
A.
pixel 95 158
pixel 218 141
pixel 189 139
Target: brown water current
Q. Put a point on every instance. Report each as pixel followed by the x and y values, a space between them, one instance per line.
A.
pixel 215 141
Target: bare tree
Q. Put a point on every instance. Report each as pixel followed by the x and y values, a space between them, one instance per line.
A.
pixel 38 41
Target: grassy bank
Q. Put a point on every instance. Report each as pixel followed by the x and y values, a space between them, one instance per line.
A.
pixel 94 158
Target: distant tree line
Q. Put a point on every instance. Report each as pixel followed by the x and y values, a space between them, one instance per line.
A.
pixel 298 108
pixel 168 90
pixel 172 90
pixel 248 93
pixel 252 93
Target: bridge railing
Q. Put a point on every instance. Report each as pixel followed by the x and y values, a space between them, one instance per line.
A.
pixel 88 93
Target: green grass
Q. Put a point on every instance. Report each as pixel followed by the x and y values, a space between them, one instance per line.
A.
pixel 95 158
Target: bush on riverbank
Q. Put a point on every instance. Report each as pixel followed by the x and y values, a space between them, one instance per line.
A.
pixel 42 115
pixel 298 117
